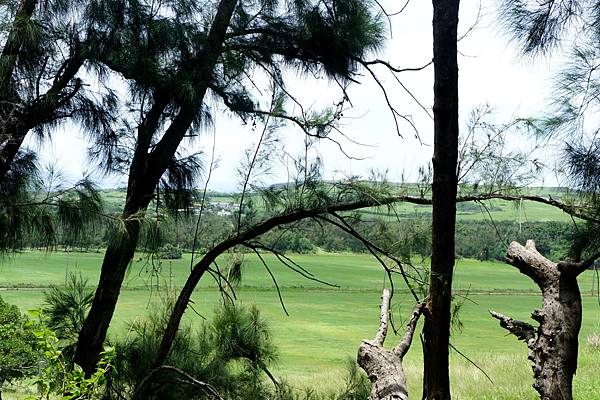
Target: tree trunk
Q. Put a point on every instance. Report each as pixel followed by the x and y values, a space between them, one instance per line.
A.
pixel 436 330
pixel 145 172
pixel 12 137
pixel 14 42
pixel 383 366
pixel 117 257
pixel 554 343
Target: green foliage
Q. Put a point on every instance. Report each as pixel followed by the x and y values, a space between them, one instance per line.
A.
pixel 37 210
pixel 231 353
pixel 170 252
pixel 59 378
pixel 65 310
pixel 18 345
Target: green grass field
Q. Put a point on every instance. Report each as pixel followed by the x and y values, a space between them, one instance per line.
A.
pixel 499 210
pixel 326 324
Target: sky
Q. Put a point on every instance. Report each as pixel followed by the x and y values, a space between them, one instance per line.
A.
pixel 490 72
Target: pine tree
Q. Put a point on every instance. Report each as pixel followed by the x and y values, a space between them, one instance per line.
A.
pixel 43 47
pixel 177 55
pixel 540 28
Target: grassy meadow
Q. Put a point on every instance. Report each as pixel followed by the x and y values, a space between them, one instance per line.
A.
pixel 326 324
pixel 499 210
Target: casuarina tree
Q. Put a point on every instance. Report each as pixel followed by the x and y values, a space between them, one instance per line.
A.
pixel 43 53
pixel 44 45
pixel 436 329
pixel 176 56
pixel 541 28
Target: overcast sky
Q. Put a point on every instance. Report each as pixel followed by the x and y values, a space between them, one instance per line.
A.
pixel 490 71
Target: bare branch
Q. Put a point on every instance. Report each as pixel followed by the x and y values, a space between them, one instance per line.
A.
pixel 394 69
pixel 203 386
pixel 522 330
pixel 404 345
pixel 383 319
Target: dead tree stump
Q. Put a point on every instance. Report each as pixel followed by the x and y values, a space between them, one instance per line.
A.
pixel 383 366
pixel 554 342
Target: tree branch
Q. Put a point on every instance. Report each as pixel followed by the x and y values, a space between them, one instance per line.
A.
pixel 529 261
pixel 203 386
pixel 403 347
pixel 522 330
pixel 383 319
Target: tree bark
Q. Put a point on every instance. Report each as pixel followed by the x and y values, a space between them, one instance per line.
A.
pixel 117 257
pixel 554 343
pixel 436 330
pixel 14 42
pixel 145 172
pixel 383 366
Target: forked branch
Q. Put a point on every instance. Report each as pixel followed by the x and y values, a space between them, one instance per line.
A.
pixel 383 366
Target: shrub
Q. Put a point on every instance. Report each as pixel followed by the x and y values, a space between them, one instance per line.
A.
pixel 65 310
pixel 231 353
pixel 170 252
pixel 18 345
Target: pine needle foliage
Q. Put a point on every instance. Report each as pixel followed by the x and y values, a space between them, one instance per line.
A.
pixel 230 352
pixel 34 212
pixel 574 26
pixel 540 27
pixel 66 307
pixel 43 47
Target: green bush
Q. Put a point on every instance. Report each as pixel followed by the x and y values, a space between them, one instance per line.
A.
pixel 65 310
pixel 170 252
pixel 231 353
pixel 18 345
pixel 59 378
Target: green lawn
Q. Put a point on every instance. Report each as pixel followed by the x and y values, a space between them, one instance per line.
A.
pixel 326 324
pixel 499 210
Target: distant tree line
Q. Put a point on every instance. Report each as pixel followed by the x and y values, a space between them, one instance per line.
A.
pixel 482 240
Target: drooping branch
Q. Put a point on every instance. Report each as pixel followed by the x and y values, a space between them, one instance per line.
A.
pixel 375 251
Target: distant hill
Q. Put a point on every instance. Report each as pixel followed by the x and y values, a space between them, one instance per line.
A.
pixel 499 210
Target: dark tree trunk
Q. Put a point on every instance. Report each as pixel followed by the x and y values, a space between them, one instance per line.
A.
pixel 12 142
pixel 383 366
pixel 12 131
pixel 117 257
pixel 145 172
pixel 436 330
pixel 554 343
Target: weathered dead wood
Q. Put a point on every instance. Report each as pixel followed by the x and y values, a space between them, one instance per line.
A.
pixel 554 343
pixel 383 366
